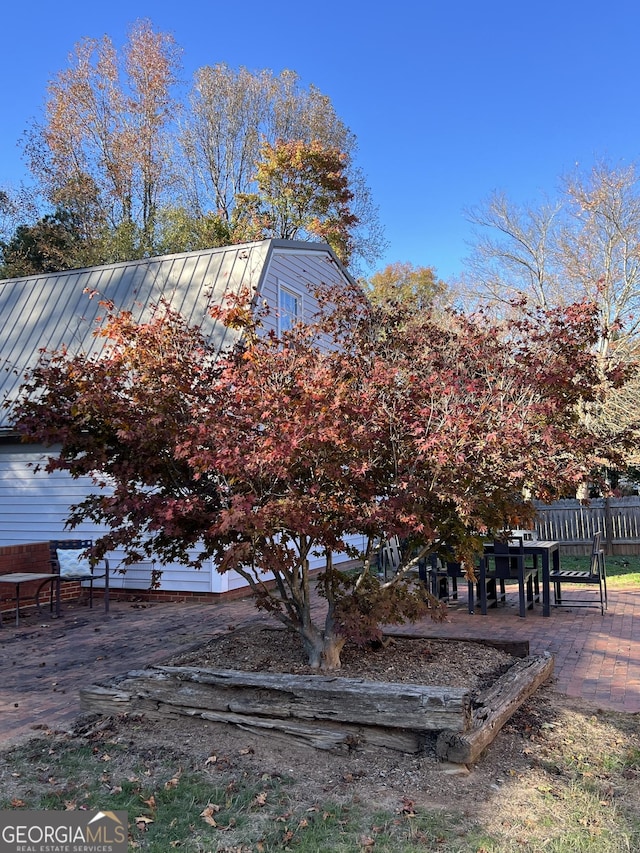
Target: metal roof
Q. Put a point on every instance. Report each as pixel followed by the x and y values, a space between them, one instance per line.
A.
pixel 62 309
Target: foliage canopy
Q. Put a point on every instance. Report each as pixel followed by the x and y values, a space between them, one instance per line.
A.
pixel 144 165
pixel 374 421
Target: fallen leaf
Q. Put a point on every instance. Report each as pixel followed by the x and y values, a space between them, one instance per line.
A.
pixel 173 782
pixel 151 802
pixel 208 812
pixel 407 807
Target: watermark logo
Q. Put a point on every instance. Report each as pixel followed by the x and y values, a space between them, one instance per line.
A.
pixel 38 831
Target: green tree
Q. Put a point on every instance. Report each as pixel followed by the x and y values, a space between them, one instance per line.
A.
pixel 53 243
pixel 181 231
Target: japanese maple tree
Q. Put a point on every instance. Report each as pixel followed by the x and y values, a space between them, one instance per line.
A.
pixel 376 421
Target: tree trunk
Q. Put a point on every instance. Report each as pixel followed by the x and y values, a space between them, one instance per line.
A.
pixel 332 648
pixel 322 649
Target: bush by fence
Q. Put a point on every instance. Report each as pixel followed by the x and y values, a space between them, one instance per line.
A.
pixel 573 524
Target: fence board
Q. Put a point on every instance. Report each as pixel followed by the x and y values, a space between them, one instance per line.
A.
pixel 573 524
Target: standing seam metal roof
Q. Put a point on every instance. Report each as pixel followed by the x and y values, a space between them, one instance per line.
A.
pixel 54 310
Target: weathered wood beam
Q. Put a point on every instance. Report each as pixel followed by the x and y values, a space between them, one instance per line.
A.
pixel 494 707
pixel 303 697
pixel 515 648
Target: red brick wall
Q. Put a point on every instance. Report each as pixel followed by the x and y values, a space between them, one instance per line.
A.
pixel 32 557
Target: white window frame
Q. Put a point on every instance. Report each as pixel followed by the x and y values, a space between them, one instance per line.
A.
pixel 286 319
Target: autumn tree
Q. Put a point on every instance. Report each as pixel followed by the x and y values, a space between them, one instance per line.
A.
pixel 104 151
pixel 404 282
pixel 238 120
pixel 302 193
pixel 284 448
pixel 233 113
pixel 585 244
pixel 143 167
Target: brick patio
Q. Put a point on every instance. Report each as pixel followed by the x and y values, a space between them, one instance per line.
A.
pixel 45 661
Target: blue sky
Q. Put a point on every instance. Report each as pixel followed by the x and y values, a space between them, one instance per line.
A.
pixel 449 101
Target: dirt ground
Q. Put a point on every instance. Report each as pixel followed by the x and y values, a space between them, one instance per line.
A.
pixel 552 760
pixel 522 750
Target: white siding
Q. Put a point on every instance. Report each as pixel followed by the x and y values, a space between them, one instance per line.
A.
pixel 54 309
pixel 303 271
pixel 33 508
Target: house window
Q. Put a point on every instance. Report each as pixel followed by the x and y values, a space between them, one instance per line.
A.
pixel 289 308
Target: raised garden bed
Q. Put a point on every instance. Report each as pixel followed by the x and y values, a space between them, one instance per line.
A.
pixel 329 712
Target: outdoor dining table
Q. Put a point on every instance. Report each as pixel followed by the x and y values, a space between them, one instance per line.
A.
pixel 549 553
pixel 45 578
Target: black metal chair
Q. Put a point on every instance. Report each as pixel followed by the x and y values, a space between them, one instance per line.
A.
pixel 391 556
pixel 506 561
pixel 73 560
pixel 441 577
pixel 596 575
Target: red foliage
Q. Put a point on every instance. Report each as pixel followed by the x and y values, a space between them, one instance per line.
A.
pixel 375 421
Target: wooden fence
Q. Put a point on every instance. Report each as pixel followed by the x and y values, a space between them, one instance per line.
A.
pixel 573 524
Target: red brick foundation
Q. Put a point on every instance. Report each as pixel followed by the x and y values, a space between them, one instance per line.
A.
pixel 163 595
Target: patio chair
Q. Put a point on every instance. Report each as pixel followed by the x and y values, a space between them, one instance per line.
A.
pixel 441 577
pixel 526 536
pixel 72 559
pixel 506 561
pixel 389 557
pixel 596 575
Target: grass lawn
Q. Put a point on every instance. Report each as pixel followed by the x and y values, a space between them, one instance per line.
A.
pixel 621 571
pixel 574 789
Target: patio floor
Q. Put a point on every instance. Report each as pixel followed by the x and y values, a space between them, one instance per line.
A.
pixel 45 662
